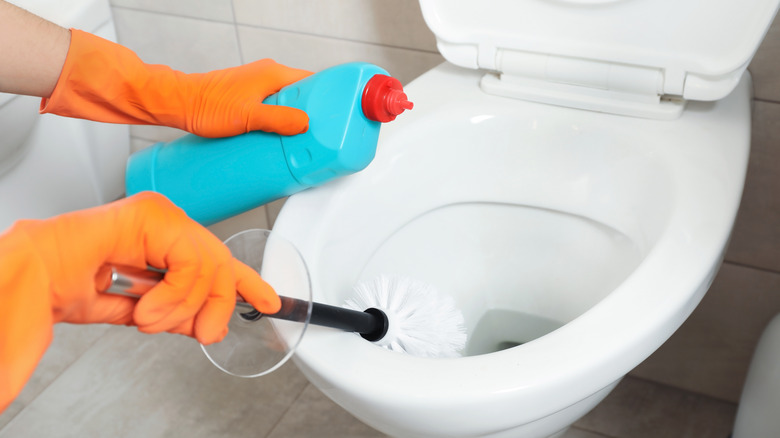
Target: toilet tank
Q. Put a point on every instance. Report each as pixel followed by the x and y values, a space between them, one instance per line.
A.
pixel 51 164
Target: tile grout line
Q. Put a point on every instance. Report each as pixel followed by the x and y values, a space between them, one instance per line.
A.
pixel 597 432
pixel 330 37
pixel 56 378
pixel 283 414
pixel 758 99
pixel 677 388
pixel 745 265
pixel 237 33
pixel 238 24
pixel 171 14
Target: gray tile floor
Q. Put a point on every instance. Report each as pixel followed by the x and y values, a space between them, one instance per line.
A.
pixel 102 381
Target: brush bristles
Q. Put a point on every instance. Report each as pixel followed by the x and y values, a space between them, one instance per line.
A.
pixel 422 321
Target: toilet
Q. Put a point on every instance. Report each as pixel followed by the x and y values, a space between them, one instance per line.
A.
pixel 570 176
pixel 51 164
pixel 757 410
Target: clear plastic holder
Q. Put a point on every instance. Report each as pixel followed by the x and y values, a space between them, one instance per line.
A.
pixel 256 345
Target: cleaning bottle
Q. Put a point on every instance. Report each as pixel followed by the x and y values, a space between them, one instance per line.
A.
pixel 216 178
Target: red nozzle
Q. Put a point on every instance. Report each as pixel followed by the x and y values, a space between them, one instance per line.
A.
pixel 384 98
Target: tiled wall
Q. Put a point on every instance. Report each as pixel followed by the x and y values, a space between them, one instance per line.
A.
pixel 709 354
pixel 201 35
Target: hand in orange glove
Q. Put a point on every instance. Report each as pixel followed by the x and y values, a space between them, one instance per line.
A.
pixel 106 82
pixel 53 269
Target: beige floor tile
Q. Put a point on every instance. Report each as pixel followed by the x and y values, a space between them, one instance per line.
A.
pixel 315 415
pixel 134 385
pixel 756 237
pixel 581 433
pixel 711 352
pixel 70 341
pixel 642 409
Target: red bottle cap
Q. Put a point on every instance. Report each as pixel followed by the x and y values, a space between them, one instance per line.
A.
pixel 384 98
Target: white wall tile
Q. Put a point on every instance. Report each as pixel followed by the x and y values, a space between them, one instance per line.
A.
pixel 219 10
pixel 317 53
pixel 255 218
pixel 273 209
pixel 136 144
pixel 182 43
pixel 153 134
pixel 395 23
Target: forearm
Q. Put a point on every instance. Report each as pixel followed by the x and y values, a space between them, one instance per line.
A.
pixel 33 51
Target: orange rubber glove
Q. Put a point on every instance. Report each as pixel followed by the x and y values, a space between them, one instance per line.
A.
pixel 51 271
pixel 106 82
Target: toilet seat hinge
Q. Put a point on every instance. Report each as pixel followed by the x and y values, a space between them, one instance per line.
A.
pixel 584 84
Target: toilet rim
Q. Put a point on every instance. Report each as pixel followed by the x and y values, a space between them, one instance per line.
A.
pixel 613 327
pixel 605 342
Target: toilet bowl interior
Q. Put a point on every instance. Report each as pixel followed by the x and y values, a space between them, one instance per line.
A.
pixel 527 223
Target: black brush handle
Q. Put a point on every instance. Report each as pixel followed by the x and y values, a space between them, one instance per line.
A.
pixel 372 323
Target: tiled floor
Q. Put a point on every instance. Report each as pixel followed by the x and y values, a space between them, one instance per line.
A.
pixel 101 381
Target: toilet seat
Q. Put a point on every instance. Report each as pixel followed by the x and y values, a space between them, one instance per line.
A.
pixel 671 187
pixel 634 57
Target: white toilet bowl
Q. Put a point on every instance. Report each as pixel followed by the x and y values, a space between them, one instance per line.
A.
pixel 51 164
pixel 575 241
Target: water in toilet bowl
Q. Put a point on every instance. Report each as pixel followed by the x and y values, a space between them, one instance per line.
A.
pixel 499 329
pixel 516 272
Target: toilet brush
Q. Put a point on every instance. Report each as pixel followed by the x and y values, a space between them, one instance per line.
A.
pixel 400 314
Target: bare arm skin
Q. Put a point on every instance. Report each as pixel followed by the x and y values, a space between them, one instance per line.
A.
pixel 32 51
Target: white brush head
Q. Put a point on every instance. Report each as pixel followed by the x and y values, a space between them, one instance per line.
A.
pixel 422 321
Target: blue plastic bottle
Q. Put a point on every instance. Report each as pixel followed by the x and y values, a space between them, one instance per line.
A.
pixel 216 178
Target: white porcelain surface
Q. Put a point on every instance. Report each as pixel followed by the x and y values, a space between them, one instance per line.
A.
pixel 533 217
pixel 757 413
pixel 699 47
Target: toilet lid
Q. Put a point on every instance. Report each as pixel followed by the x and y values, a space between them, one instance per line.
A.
pixel 700 47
